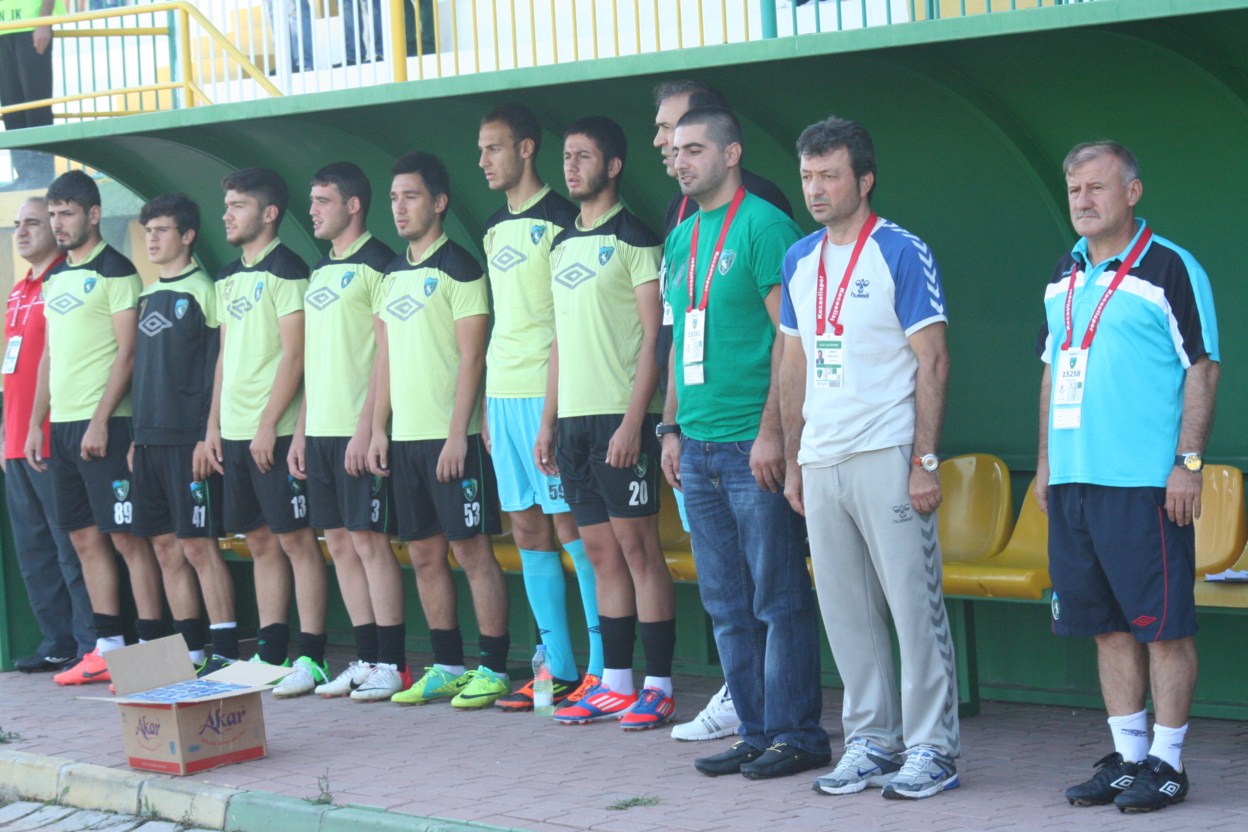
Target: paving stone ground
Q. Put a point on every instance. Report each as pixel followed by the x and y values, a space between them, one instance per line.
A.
pixel 32 817
pixel 519 771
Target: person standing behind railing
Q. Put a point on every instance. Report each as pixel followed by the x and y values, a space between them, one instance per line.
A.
pixel 299 23
pixel 366 37
pixel 26 75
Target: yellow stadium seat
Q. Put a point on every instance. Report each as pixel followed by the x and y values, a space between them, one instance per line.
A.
pixel 1222 526
pixel 976 514
pixel 1020 570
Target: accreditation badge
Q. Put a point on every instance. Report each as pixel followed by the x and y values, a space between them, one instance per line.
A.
pixel 11 352
pixel 829 364
pixel 1070 375
pixel 695 336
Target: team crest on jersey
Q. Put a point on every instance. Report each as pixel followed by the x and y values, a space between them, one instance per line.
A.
pixel 346 279
pixel 431 286
pixel 726 260
pixel 179 308
pixel 470 489
pixel 121 489
pixel 296 485
pixel 88 285
pixel 536 233
pixel 199 494
pixel 604 254
pixel 376 485
pixel 643 462
pixel 860 288
pixel 259 289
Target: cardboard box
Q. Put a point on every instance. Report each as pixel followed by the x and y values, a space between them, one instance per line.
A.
pixel 173 723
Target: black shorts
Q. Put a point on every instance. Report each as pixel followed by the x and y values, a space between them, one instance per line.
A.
pixel 1119 564
pixel 168 500
pixel 95 493
pixel 336 499
pixel 458 510
pixel 253 499
pixel 595 490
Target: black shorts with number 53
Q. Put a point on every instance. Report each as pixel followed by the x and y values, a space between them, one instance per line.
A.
pixel 460 509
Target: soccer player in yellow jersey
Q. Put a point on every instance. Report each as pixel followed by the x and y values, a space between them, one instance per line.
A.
pixel 602 391
pixel 435 315
pixel 255 406
pixel 85 375
pixel 330 448
pixel 517 244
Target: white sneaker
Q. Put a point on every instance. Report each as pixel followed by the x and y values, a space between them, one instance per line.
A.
pixel 308 674
pixel 718 719
pixel 347 681
pixel 862 765
pixel 385 681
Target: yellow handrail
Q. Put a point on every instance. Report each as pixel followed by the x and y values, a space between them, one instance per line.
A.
pixel 185 10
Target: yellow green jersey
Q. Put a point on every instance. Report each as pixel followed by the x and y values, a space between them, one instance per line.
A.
pixel 517 252
pixel 80 300
pixel 344 294
pixel 14 11
pixel 251 299
pixel 422 303
pixel 594 274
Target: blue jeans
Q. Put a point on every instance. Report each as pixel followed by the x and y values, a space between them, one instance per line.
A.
pixel 49 565
pixel 364 10
pixel 299 24
pixel 747 546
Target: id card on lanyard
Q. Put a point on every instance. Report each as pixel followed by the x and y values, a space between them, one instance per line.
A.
pixel 829 364
pixel 695 315
pixel 1070 371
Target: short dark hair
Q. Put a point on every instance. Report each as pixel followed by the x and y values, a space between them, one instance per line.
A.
pixel 606 133
pixel 179 206
pixel 432 171
pixel 701 94
pixel 350 181
pixel 77 187
pixel 832 134
pixel 267 186
pixel 520 121
pixel 721 125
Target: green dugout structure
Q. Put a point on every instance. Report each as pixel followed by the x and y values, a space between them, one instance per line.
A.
pixel 971 118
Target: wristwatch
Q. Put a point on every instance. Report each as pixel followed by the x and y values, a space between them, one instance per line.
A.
pixel 928 462
pixel 661 430
pixel 1193 462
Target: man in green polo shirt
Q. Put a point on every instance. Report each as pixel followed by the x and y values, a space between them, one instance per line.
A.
pixel 255 406
pixel 602 391
pixel 352 506
pixel 435 315
pixel 517 250
pixel 723 289
pixel 85 371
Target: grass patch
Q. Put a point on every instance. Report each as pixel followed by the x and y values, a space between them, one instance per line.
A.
pixel 630 802
pixel 326 796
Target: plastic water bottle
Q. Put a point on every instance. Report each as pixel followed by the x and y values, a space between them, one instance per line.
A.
pixel 543 684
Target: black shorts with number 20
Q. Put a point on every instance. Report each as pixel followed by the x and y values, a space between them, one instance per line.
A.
pixel 595 490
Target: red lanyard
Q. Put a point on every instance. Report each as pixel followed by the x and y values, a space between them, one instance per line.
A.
pixel 719 247
pixel 821 287
pixel 680 215
pixel 1125 267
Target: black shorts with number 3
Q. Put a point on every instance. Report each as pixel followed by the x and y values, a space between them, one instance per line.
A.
pixel 597 491
pixel 460 509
